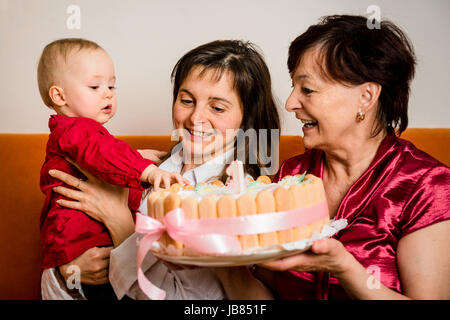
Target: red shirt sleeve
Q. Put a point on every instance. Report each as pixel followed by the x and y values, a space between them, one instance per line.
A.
pixel 90 145
pixel 429 201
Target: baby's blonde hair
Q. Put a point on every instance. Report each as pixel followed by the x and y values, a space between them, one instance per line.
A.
pixel 53 57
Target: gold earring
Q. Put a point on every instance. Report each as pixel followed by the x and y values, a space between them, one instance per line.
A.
pixel 360 116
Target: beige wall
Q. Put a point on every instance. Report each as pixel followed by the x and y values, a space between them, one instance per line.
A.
pixel 146 38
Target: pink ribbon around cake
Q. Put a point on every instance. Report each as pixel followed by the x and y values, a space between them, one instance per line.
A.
pixel 215 236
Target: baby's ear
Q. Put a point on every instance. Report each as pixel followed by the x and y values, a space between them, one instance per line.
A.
pixel 57 95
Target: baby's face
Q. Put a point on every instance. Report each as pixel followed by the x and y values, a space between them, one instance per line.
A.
pixel 88 83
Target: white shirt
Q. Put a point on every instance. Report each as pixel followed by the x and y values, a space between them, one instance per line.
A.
pixel 198 283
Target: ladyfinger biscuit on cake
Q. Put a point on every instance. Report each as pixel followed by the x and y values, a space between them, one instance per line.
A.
pixel 246 206
pixel 318 184
pixel 151 199
pixel 188 187
pixel 190 208
pixel 158 208
pixel 175 187
pixel 301 200
pixel 226 207
pixel 317 187
pixel 218 183
pixel 207 208
pixel 162 192
pixel 159 215
pixel 172 202
pixel 265 203
pixel 284 202
pixel 264 179
pixel 317 193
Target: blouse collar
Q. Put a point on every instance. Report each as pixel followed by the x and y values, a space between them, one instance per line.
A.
pixel 207 172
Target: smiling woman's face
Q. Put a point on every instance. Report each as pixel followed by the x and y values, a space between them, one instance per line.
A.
pixel 207 110
pixel 327 109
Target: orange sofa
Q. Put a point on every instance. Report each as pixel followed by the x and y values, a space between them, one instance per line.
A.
pixel 21 158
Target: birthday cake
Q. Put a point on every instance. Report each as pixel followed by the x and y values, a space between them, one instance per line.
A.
pixel 243 197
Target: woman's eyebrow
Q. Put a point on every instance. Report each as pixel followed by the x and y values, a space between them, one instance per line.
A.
pixel 185 90
pixel 210 98
pixel 299 77
pixel 220 99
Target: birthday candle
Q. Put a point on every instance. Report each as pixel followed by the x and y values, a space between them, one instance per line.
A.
pixel 236 171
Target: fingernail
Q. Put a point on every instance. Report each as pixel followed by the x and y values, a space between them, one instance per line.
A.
pixel 51 172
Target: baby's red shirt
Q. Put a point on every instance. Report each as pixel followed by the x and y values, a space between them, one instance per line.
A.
pixel 67 233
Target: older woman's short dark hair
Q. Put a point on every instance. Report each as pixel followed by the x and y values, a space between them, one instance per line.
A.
pixel 352 53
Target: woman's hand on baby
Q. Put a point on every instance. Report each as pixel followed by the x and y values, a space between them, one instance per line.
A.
pixel 154 155
pixel 93 265
pixel 94 197
pixel 158 177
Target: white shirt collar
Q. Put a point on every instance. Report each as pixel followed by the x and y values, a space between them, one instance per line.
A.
pixel 207 172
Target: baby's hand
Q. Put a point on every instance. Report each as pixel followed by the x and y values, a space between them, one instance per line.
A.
pixel 157 177
pixel 154 155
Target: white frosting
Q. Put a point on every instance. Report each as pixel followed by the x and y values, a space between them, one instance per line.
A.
pixel 252 188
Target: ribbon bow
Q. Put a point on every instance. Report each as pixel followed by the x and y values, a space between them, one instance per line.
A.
pixel 175 225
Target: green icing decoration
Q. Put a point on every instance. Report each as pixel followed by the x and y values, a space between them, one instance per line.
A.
pixel 302 177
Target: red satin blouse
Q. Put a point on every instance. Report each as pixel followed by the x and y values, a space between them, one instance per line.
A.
pixel 403 190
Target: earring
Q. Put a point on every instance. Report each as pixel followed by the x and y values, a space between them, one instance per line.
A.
pixel 360 116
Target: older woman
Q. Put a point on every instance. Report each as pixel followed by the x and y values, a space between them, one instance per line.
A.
pixel 219 88
pixel 350 91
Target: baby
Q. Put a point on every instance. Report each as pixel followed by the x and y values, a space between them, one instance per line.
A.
pixel 76 79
